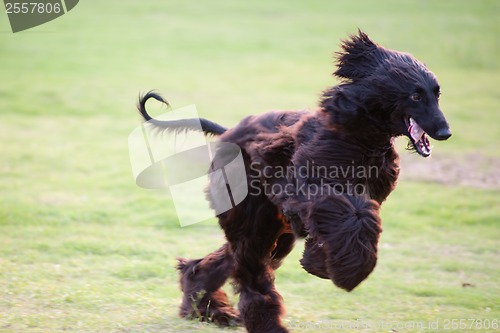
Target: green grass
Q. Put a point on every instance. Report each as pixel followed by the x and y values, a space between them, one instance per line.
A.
pixel 83 249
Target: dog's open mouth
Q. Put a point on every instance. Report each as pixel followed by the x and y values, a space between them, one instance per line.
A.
pixel 419 138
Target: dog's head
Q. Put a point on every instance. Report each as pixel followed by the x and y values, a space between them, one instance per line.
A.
pixel 392 89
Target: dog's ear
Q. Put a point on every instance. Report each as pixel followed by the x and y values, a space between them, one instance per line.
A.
pixel 340 103
pixel 359 57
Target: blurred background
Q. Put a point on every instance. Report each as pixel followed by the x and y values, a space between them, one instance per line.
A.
pixel 83 249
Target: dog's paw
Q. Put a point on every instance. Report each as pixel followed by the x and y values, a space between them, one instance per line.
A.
pixel 227 316
pixel 314 258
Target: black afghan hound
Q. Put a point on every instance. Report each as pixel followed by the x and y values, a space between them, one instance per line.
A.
pixel 321 175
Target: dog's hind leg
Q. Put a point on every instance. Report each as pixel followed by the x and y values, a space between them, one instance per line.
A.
pixel 201 281
pixel 254 238
pixel 261 306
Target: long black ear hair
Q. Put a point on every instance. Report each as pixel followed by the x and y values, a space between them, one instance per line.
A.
pixel 359 57
pixel 342 104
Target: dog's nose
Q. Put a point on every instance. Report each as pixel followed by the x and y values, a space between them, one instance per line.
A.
pixel 443 133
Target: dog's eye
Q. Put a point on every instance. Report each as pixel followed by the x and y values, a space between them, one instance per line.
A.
pixel 416 97
pixel 437 92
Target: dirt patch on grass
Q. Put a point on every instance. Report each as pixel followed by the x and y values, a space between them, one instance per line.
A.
pixel 474 170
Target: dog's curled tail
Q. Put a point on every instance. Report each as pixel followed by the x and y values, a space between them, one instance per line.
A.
pixel 343 235
pixel 207 126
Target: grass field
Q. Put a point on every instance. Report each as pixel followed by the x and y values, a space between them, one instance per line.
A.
pixel 82 249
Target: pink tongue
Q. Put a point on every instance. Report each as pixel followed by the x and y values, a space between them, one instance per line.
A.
pixel 415 131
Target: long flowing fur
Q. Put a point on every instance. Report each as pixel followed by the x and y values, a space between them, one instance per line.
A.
pixel 343 233
pixel 381 92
